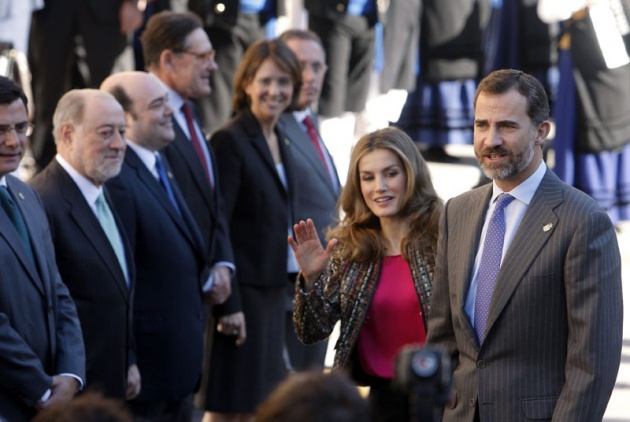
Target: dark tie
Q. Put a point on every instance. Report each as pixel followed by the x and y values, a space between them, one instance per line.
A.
pixel 108 223
pixel 311 131
pixel 490 264
pixel 14 214
pixel 196 142
pixel 165 182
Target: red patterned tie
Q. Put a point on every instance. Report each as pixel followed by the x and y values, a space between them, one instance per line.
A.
pixel 196 142
pixel 312 134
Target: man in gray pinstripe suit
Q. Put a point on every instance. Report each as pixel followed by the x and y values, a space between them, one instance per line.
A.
pixel 552 342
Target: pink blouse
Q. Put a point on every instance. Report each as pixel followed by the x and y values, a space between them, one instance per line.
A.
pixel 393 320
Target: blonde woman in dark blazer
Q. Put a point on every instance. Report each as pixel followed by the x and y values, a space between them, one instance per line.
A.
pixel 375 273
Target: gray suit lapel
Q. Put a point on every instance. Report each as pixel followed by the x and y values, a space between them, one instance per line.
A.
pixel 466 244
pixel 530 238
pixel 303 146
pixel 16 243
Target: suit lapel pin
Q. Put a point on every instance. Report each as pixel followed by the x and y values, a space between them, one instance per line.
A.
pixel 286 141
pixel 169 174
pixel 21 195
pixel 547 227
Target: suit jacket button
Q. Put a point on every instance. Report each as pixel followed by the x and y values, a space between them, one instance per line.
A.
pixel 472 402
pixel 481 364
pixel 341 7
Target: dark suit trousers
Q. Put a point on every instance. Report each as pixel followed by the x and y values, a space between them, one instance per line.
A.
pixel 162 411
pixel 349 46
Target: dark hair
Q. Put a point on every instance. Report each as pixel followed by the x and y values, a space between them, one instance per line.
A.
pixel 502 81
pixel 301 34
pixel 10 91
pixel 122 97
pixel 255 55
pixel 87 407
pixel 167 30
pixel 314 397
pixel 360 231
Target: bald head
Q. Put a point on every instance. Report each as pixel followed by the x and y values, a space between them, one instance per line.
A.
pixel 144 98
pixel 89 131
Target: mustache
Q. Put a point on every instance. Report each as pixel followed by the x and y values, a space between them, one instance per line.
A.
pixel 495 150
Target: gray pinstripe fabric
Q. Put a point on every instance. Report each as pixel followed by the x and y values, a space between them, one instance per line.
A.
pixel 553 339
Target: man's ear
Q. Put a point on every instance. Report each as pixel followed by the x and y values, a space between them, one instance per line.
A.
pixel 542 131
pixel 166 60
pixel 66 132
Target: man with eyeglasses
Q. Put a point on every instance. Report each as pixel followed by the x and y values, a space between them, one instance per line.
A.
pixel 178 52
pixel 42 358
pixel 316 173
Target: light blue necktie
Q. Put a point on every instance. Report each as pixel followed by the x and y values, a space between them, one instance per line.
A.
pixel 166 184
pixel 108 223
pixel 490 264
pixel 16 217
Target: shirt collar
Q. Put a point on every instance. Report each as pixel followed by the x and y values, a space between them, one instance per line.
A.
pixel 300 115
pixel 146 156
pixel 89 190
pixel 174 100
pixel 526 190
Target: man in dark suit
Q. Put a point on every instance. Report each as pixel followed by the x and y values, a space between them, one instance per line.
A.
pixel 179 53
pixel 92 253
pixel 315 171
pixel 42 359
pixel 101 26
pixel 526 296
pixel 169 254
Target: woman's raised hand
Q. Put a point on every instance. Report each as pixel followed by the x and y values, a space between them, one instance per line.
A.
pixel 308 250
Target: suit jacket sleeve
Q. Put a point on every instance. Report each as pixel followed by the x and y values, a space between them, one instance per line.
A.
pixel 440 328
pixel 229 165
pixel 70 347
pixel 595 316
pixel 315 313
pixel 22 371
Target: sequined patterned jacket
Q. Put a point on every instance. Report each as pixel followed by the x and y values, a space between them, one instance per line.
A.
pixel 344 293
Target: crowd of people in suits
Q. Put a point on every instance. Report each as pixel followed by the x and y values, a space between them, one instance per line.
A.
pixel 149 262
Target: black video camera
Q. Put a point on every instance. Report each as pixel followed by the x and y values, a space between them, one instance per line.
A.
pixel 425 375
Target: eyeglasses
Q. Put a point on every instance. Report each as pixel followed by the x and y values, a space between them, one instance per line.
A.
pixel 209 55
pixel 316 67
pixel 21 129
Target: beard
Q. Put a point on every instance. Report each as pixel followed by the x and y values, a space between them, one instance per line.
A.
pixel 515 164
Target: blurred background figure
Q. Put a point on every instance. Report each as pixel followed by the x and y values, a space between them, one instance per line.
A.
pixel 315 173
pixel 592 142
pixel 440 111
pixel 314 397
pixel 73 44
pixel 258 185
pixel 15 22
pixel 233 26
pixel 376 271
